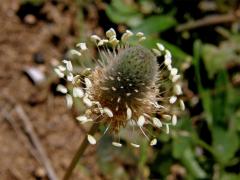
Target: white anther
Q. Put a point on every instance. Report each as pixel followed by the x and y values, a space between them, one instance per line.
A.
pixel 141 121
pixel 69 101
pixel 182 105
pixel 95 38
pixel 166 116
pixel 108 112
pixel 70 77
pixel 61 68
pixel 62 89
pixel 82 46
pixel 153 142
pixel 172 99
pixel 91 139
pixel 160 47
pixel 114 89
pixel 157 122
pixel 174 71
pixel 135 145
pixel 114 42
pixel 110 33
pixel 102 42
pixel 167 61
pixel 140 34
pixel 119 99
pixel 78 92
pixel 174 120
pixel 83 119
pixel 88 83
pixel 168 54
pixel 116 144
pixel 156 52
pixel 68 65
pixel 87 101
pixel 128 94
pixel 177 89
pixel 75 52
pixel 129 113
pixel 175 78
pixel 142 39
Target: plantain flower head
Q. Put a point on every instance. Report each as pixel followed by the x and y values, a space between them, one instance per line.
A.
pixel 130 85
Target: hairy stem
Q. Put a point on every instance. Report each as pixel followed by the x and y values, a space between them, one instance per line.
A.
pixel 83 146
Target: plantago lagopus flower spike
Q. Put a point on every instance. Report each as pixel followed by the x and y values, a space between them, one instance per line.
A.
pixel 127 87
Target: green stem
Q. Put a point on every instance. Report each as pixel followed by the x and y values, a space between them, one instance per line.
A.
pixel 83 146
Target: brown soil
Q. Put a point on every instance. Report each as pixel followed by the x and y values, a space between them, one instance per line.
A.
pixel 47 37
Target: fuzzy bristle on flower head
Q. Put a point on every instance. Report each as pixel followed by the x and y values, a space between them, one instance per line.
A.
pixel 127 87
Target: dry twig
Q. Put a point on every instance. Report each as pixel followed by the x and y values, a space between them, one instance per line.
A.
pixel 210 20
pixel 28 127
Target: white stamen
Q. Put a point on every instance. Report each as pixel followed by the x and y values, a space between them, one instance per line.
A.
pixel 68 65
pixel 119 99
pixel 78 92
pixel 69 101
pixel 141 121
pixel 129 113
pixel 182 105
pixel 140 34
pixel 142 39
pixel 88 83
pixel 175 78
pixel 177 89
pixel 62 89
pixel 87 101
pixel 95 38
pixel 153 142
pixel 82 46
pixel 157 122
pixel 167 128
pixel 174 71
pixel 116 144
pixel 172 99
pixel 114 42
pixel 174 120
pixel 167 61
pixel 168 54
pixel 135 145
pixel 83 119
pixel 156 52
pixel 128 94
pixel 70 77
pixel 61 68
pixel 160 47
pixel 111 33
pixel 108 112
pixel 59 73
pixel 114 89
pixel 166 116
pixel 102 42
pixel 91 139
pixel 75 52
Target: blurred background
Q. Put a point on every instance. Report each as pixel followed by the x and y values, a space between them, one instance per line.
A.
pixel 39 135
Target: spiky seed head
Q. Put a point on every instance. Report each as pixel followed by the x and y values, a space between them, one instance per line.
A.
pixel 127 87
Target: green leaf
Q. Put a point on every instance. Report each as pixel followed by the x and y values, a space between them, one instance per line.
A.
pixel 116 16
pixel 155 24
pixel 192 165
pixel 179 146
pixel 225 144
